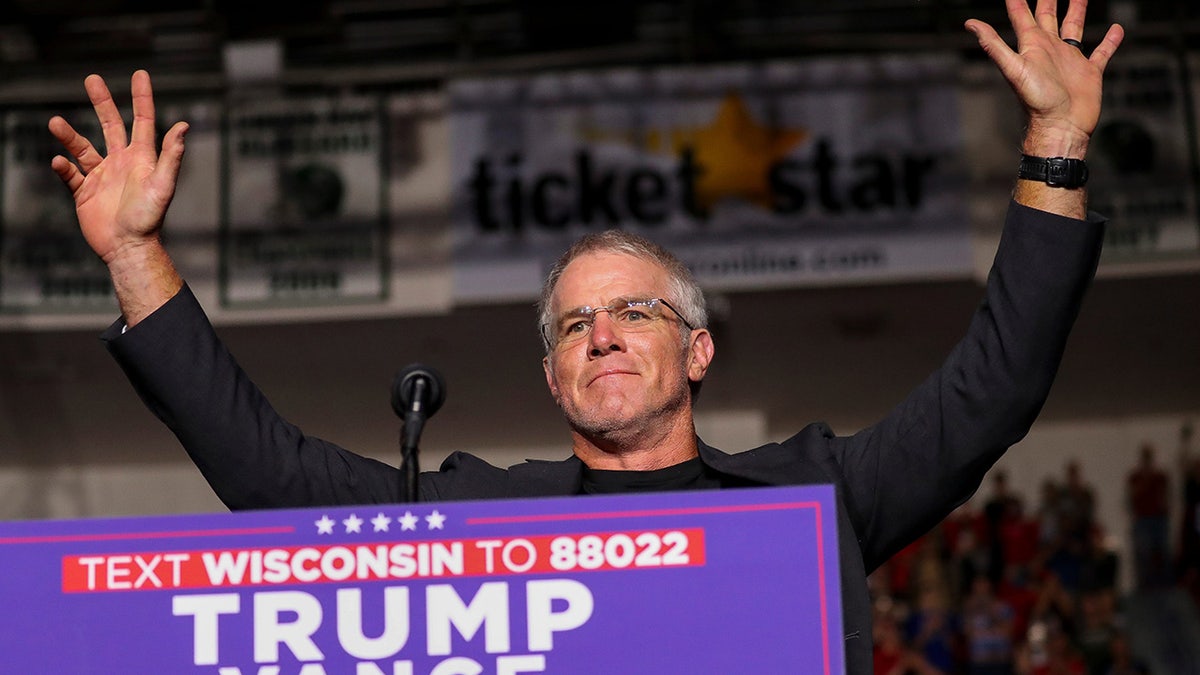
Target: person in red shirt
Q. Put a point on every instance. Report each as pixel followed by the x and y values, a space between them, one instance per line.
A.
pixel 1147 490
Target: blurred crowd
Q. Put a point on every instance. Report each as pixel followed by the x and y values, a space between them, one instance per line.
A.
pixel 1002 589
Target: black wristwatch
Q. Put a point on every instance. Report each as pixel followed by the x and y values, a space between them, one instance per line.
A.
pixel 1054 171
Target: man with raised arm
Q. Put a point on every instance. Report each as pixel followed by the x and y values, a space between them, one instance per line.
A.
pixel 624 326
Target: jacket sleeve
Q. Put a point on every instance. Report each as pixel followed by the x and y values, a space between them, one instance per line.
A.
pixel 250 455
pixel 930 453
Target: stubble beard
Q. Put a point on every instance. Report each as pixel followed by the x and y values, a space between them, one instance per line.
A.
pixel 627 430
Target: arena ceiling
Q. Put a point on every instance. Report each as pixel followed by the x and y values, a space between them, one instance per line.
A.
pixel 421 42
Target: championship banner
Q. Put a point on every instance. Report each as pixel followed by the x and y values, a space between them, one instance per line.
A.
pixel 46 267
pixel 304 203
pixel 1140 157
pixel 739 581
pixel 757 176
pixel 45 264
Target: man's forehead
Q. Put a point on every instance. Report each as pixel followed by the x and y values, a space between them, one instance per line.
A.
pixel 599 276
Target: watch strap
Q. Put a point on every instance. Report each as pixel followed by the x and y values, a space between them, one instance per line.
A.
pixel 1054 171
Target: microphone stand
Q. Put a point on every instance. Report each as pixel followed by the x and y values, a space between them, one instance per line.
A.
pixel 410 434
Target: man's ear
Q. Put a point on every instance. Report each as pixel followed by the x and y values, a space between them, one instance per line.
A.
pixel 550 382
pixel 700 354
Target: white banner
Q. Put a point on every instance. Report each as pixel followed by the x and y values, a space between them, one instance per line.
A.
pixel 47 269
pixel 45 266
pixel 756 175
pixel 304 203
pixel 1140 161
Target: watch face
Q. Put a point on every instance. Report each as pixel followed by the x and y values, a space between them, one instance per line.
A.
pixel 1056 171
pixel 1062 172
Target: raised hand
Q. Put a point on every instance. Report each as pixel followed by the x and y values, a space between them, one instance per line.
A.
pixel 122 196
pixel 1057 83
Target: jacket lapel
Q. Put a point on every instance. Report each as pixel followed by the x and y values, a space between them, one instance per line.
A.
pixel 543 478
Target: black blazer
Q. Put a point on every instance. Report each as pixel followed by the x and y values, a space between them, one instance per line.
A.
pixel 894 480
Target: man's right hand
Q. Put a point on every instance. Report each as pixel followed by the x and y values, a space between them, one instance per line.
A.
pixel 122 197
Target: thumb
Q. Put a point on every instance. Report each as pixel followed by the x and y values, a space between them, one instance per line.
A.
pixel 994 46
pixel 171 158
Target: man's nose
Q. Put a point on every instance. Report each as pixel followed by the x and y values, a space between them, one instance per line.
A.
pixel 605 336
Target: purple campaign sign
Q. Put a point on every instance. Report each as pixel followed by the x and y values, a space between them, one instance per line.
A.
pixel 741 581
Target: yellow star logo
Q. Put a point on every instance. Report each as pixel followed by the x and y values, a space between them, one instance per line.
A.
pixel 735 154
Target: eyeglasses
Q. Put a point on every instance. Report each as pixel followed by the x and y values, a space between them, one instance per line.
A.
pixel 632 315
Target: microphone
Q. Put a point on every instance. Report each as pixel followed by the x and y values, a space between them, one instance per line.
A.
pixel 418 391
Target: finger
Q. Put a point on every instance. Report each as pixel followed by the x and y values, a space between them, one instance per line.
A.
pixel 1047 15
pixel 143 108
pixel 80 148
pixel 68 172
pixel 167 169
pixel 1019 15
pixel 106 111
pixel 994 46
pixel 1108 46
pixel 1072 25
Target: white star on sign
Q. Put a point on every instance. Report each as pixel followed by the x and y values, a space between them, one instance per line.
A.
pixel 325 525
pixel 408 521
pixel 381 522
pixel 435 520
pixel 353 524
